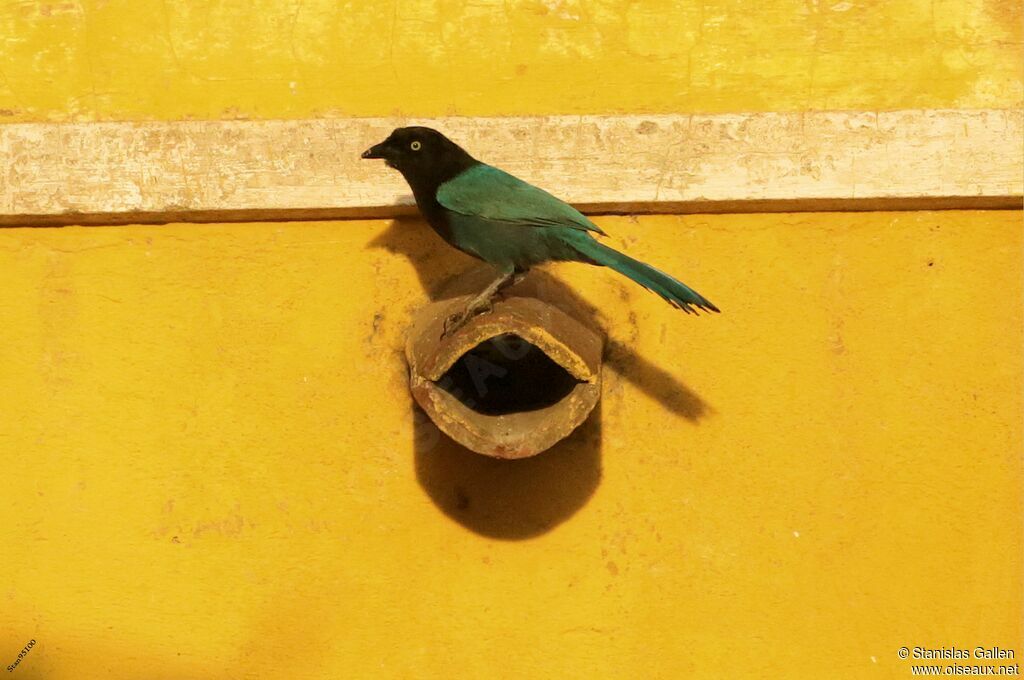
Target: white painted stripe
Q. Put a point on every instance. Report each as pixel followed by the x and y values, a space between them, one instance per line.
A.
pixel 158 171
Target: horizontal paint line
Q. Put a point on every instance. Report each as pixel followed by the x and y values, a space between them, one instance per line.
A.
pixel 118 173
pixel 389 212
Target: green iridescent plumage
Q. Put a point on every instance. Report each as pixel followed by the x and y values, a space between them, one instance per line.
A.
pixel 492 194
pixel 513 225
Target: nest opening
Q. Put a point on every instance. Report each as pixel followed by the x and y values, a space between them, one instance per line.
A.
pixel 507 374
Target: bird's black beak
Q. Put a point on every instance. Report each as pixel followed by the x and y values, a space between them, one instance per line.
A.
pixel 375 151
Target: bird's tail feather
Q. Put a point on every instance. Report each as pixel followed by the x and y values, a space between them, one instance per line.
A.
pixel 675 292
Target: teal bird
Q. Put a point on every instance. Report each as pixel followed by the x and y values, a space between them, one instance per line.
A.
pixel 489 214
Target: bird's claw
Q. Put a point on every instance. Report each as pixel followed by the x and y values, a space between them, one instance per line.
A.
pixel 456 321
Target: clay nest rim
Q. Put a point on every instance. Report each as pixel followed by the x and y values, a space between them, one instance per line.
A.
pixel 573 347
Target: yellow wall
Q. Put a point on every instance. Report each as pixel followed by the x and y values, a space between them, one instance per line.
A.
pixel 212 467
pixel 128 59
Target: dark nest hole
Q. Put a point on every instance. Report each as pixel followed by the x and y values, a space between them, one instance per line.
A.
pixel 507 374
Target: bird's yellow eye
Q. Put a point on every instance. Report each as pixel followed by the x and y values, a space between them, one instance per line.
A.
pixel 415 146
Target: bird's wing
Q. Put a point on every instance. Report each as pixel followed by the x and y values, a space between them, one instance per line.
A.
pixel 493 194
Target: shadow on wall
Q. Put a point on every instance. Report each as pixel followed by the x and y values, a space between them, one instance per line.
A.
pixel 509 499
pixel 518 499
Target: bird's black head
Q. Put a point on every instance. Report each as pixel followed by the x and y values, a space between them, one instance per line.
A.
pixel 422 155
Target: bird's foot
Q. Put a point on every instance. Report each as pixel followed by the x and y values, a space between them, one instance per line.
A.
pixel 454 323
pixel 460 319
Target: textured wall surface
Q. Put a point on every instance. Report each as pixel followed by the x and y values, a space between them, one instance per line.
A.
pixel 158 172
pixel 211 467
pixel 130 59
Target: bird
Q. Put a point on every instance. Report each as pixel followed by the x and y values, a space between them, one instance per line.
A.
pixel 508 223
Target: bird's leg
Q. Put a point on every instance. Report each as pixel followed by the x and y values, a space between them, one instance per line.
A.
pixel 480 303
pixel 514 280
